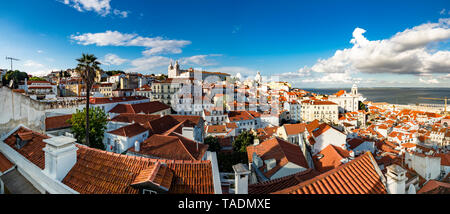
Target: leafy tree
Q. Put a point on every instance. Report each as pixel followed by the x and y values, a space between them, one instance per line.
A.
pixel 16 76
pixel 242 141
pixel 37 79
pixel 98 120
pixel 87 67
pixel 213 142
pixel 362 106
pixel 114 72
pixel 162 77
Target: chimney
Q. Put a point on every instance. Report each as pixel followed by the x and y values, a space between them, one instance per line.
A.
pixel 188 132
pixel 60 156
pixel 396 179
pixel 256 141
pixel 137 146
pixel 241 173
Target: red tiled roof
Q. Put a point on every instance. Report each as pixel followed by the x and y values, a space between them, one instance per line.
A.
pixel 138 118
pixel 146 108
pixel 5 164
pixel 294 129
pixel 312 125
pixel 331 157
pixel 239 115
pixel 274 185
pixel 216 129
pixel 158 175
pixel 283 152
pixel 358 176
pixel 129 131
pixel 101 172
pixel 321 129
pixel 355 142
pixel 32 149
pixel 231 125
pixel 57 122
pixel 435 187
pixel 173 146
pixel 339 93
pixel 104 100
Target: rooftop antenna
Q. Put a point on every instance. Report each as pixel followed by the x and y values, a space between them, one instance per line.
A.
pixel 10 58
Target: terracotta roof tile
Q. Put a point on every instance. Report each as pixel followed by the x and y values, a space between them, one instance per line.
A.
pixel 329 158
pixel 435 187
pixel 173 147
pixel 32 150
pixel 146 108
pixel 358 176
pixel 101 172
pixel 5 164
pixel 294 129
pixel 58 122
pixel 129 131
pixel 274 185
pixel 283 152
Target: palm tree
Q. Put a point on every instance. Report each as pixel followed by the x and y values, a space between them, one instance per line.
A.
pixel 87 67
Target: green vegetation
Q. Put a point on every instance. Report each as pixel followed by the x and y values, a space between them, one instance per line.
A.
pixel 98 120
pixel 239 154
pixel 37 79
pixel 213 142
pixel 114 72
pixel 87 65
pixel 362 106
pixel 242 141
pixel 16 76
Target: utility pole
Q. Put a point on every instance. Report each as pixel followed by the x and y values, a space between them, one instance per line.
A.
pixel 10 58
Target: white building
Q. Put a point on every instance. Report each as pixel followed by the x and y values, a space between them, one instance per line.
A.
pixel 294 109
pixel 325 111
pixel 120 140
pixel 425 164
pixel 347 102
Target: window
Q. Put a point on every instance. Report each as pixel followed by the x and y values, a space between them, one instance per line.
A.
pixel 147 191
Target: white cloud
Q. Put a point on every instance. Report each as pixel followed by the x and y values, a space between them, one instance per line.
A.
pixel 123 14
pixel 202 60
pixel 155 45
pixel 428 81
pixel 40 51
pixel 442 11
pixel 102 7
pixel 406 52
pixel 149 64
pixel 35 68
pixel 112 59
pixel 234 70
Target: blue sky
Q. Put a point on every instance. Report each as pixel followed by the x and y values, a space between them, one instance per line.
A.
pixel 400 43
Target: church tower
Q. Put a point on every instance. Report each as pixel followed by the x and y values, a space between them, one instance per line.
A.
pixel 354 89
pixel 173 71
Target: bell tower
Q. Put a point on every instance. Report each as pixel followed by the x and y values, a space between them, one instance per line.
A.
pixel 354 89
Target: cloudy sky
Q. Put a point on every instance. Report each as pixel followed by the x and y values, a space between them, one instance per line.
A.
pixel 312 44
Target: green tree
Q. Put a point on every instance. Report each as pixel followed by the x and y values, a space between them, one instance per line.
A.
pixel 16 76
pixel 362 106
pixel 242 141
pixel 98 120
pixel 213 142
pixel 37 79
pixel 114 72
pixel 87 67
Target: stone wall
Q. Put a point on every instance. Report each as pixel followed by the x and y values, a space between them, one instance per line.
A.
pixel 16 109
